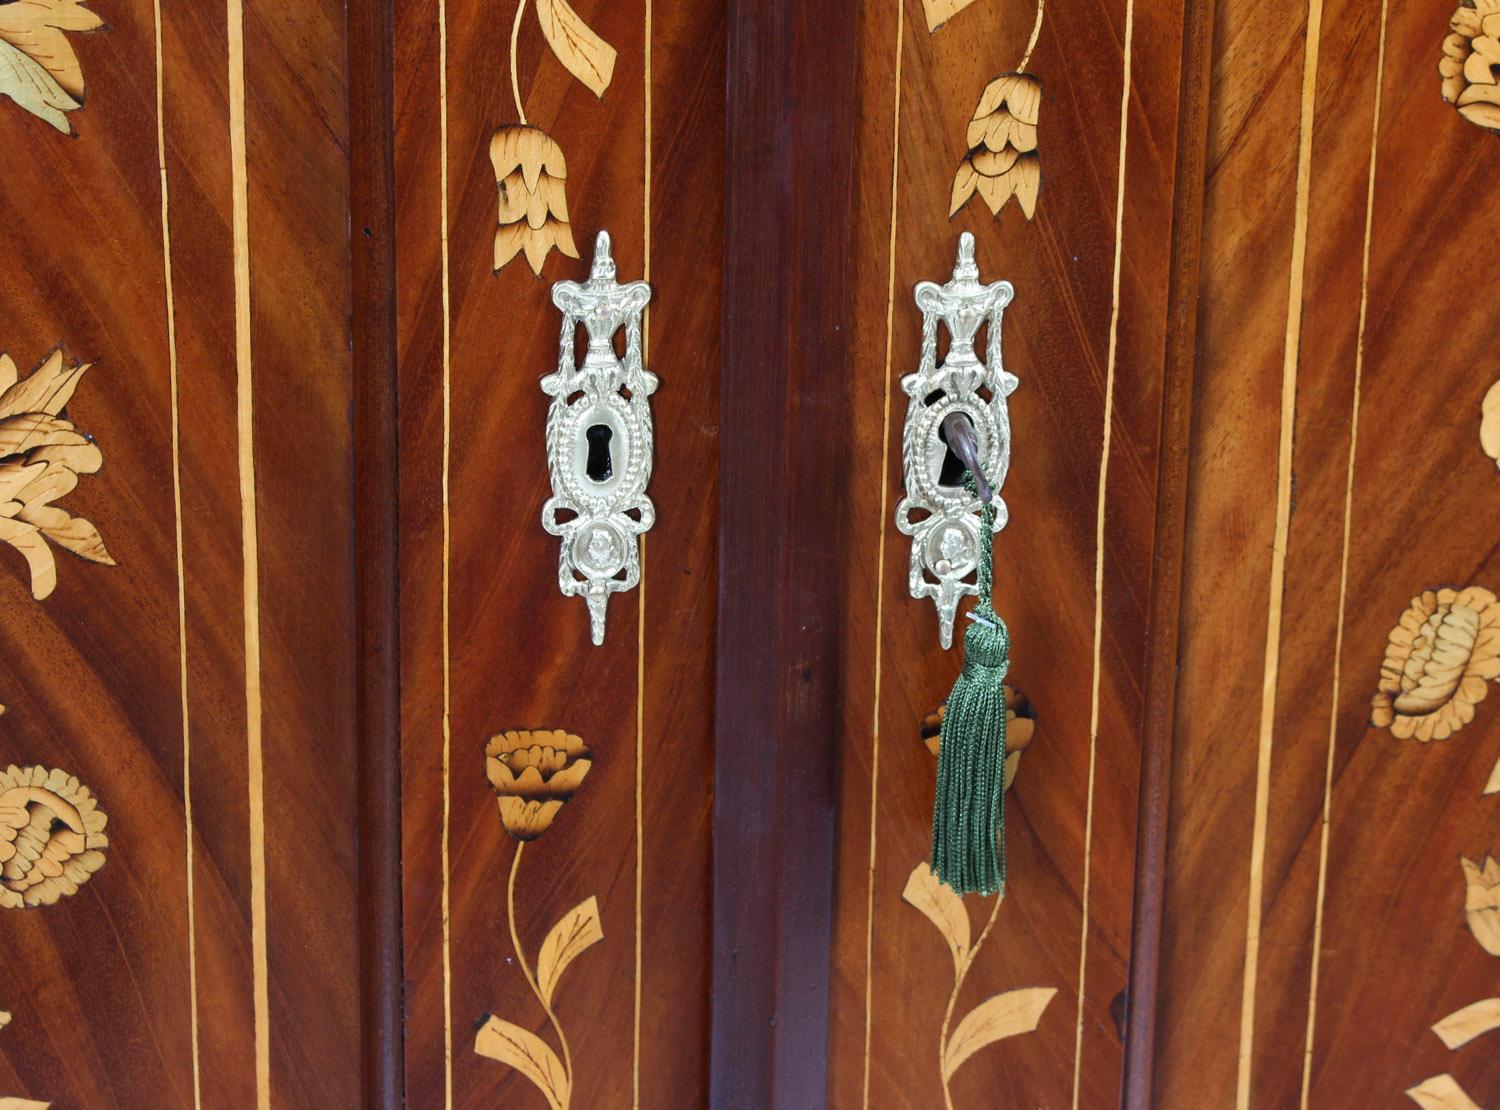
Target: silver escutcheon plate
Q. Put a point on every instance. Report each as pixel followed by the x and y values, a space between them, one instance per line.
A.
pixel 599 438
pixel 938 513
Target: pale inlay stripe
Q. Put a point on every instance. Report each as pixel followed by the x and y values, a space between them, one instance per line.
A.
pixel 182 650
pixel 640 645
pixel 1338 641
pixel 1099 515
pixel 885 457
pixel 249 543
pixel 1290 353
pixel 447 547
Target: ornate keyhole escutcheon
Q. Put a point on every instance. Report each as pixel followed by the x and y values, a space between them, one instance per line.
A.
pixel 599 438
pixel 941 516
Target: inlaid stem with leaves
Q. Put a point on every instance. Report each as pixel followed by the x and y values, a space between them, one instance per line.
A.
pixel 958 981
pixel 534 774
pixel 1001 1015
pixel 515 943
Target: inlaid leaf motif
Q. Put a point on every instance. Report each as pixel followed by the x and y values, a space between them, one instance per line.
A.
pixel 1441 1092
pixel 586 56
pixel 1482 901
pixel 40 70
pixel 945 909
pixel 939 12
pixel 1004 1015
pixel 1462 1026
pixel 578 930
pixel 23 79
pixel 22 1104
pixel 528 1054
pixel 1493 785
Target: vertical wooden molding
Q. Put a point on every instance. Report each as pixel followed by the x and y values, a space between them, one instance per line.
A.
pixel 792 95
pixel 1166 589
pixel 369 26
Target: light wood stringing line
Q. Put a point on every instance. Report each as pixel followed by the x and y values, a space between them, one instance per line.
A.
pixel 881 525
pixel 640 631
pixel 182 650
pixel 1291 350
pixel 250 547
pixel 1338 641
pixel 1109 416
pixel 442 8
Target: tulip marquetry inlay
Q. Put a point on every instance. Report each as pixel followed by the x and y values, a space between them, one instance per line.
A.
pixel 534 774
pixel 1002 159
pixel 1439 662
pixel 530 171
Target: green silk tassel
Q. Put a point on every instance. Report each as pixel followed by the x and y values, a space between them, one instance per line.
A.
pixel 968 817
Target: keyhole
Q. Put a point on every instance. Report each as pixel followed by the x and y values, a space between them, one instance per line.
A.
pixel 952 472
pixel 600 466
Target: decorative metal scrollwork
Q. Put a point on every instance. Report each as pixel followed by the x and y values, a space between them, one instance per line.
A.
pixel 938 512
pixel 599 438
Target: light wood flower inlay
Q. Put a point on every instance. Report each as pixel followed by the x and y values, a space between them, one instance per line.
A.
pixel 1471 54
pixel 51 836
pixel 38 67
pixel 41 456
pixel 1439 662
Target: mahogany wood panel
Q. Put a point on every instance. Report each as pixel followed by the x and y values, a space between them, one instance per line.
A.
pixel 1316 925
pixel 506 650
pixel 100 985
pixel 790 169
pixel 1090 354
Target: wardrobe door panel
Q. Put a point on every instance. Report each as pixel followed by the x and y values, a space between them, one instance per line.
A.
pixel 523 132
pixel 177 761
pixel 1066 179
pixel 1334 781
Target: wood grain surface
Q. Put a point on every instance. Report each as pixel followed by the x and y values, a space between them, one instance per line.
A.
pixel 101 985
pixel 1086 334
pixel 1360 942
pixel 644 161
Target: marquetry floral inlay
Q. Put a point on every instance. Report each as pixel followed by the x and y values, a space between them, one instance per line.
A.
pixel 51 836
pixel 1489 423
pixel 1020 728
pixel 38 67
pixel 1002 159
pixel 41 456
pixel 1471 55
pixel 1438 664
pixel 530 171
pixel 1007 1014
pixel 534 773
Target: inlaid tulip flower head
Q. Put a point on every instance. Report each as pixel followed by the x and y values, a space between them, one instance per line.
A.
pixel 1002 160
pixel 530 171
pixel 534 774
pixel 531 175
pixel 38 67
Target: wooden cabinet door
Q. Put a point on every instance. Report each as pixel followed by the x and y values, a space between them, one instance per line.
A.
pixel 1052 135
pixel 555 919
pixel 178 885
